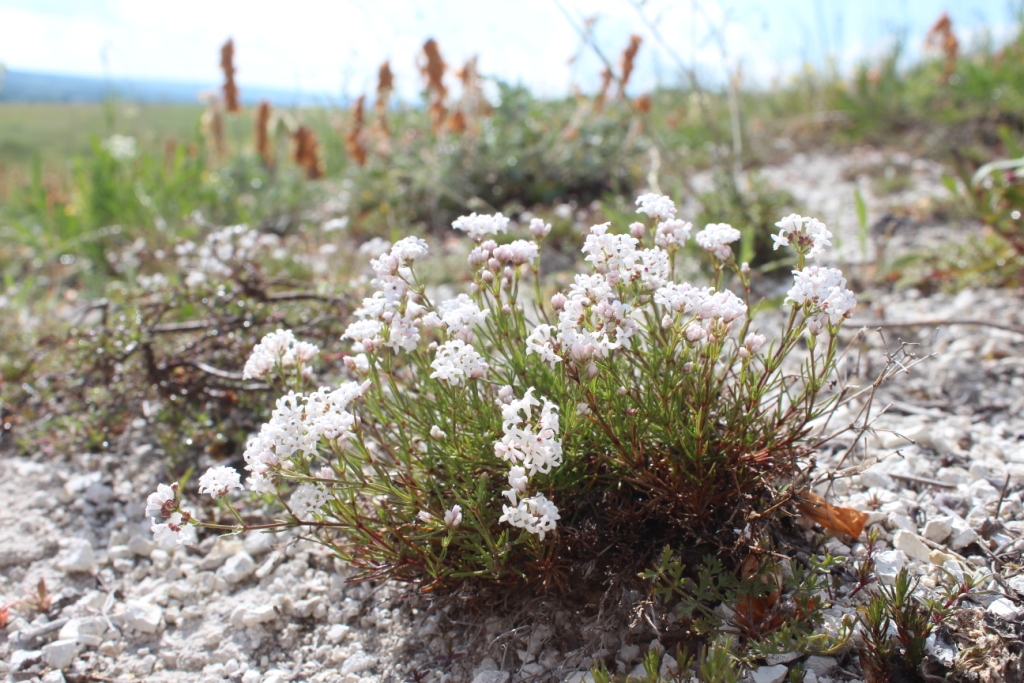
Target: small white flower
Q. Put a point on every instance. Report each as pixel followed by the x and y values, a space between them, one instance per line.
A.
pixel 583 409
pixel 437 433
pixel 540 342
pixel 174 531
pixel 517 478
pixel 716 238
pixel 357 363
pixel 160 503
pixel 453 517
pixel 219 480
pixel 425 517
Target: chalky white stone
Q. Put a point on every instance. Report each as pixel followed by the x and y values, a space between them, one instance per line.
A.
pixel 61 653
pixel 770 674
pixel 143 616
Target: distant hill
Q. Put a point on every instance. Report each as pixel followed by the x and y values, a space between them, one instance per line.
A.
pixel 26 86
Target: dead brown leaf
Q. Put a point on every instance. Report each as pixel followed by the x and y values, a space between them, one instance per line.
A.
pixel 833 517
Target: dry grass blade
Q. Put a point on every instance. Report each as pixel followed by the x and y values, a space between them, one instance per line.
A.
pixel 833 517
pixel 227 65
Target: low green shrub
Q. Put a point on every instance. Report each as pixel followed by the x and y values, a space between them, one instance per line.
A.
pixel 499 437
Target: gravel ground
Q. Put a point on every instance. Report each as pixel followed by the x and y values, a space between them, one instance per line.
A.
pixel 941 475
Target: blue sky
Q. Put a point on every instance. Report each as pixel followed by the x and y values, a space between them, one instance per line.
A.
pixel 335 46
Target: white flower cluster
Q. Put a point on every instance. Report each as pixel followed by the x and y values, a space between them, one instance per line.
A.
pixel 455 361
pixel 658 207
pixel 219 480
pixel 222 253
pixel 591 323
pixel 616 257
pixel 518 252
pixel 458 316
pixel 807 236
pixel 390 306
pixel 296 427
pixel 530 445
pixel 307 500
pixel 672 233
pixel 823 294
pixel 480 226
pixel 452 517
pixel 493 257
pixel 716 238
pixel 536 514
pixel 279 350
pixel 121 147
pixel 704 303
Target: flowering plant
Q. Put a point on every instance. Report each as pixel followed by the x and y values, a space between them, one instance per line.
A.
pixel 506 435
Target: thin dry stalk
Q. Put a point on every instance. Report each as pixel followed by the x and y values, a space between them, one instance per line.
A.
pixel 472 106
pixel 170 153
pixel 212 126
pixel 306 152
pixel 941 37
pixel 227 65
pixel 433 68
pixel 262 134
pixel 354 141
pixel 602 94
pixel 385 84
pixel 628 60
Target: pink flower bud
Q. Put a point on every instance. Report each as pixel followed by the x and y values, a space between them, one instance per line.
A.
pixel 558 301
pixel 538 228
pixel 637 230
pixel 695 333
